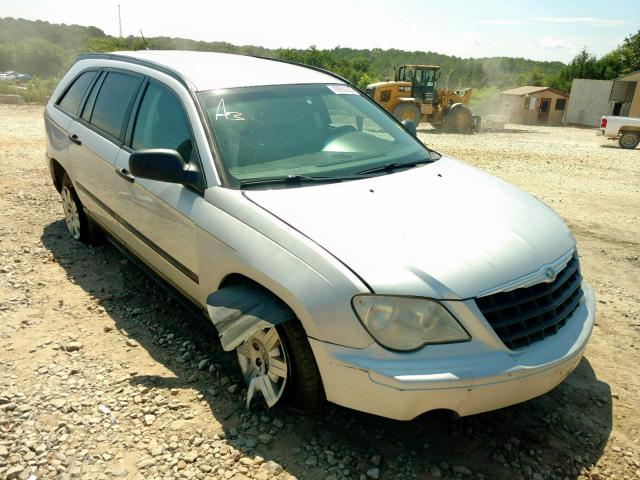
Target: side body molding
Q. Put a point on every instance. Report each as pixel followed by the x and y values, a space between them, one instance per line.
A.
pixel 239 311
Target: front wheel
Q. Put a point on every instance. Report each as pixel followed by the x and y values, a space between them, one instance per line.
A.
pixel 407 111
pixel 278 363
pixel 629 140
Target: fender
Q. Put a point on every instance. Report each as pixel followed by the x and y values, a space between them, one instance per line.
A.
pixel 237 237
pixel 239 311
pixel 453 106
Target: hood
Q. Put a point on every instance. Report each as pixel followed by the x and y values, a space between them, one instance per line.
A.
pixel 444 230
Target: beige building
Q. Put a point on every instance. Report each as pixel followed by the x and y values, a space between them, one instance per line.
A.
pixel 591 99
pixel 633 80
pixel 533 105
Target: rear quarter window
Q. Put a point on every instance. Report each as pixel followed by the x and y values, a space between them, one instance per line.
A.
pixel 72 98
pixel 113 102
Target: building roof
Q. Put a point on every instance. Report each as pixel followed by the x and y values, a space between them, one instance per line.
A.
pixel 212 71
pixel 530 89
pixel 628 75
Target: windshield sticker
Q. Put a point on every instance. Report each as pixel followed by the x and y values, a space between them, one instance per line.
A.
pixel 222 112
pixel 342 89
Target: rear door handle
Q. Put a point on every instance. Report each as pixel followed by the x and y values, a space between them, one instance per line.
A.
pixel 126 174
pixel 75 139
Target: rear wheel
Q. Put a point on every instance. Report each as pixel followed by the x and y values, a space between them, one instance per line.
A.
pixel 407 111
pixel 79 225
pixel 629 139
pixel 278 363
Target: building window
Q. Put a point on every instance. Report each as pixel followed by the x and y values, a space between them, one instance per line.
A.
pixel 560 103
pixel 530 103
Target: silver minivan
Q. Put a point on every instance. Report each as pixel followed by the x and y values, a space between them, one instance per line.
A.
pixel 339 257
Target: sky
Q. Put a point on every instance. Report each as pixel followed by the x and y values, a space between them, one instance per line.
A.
pixel 536 29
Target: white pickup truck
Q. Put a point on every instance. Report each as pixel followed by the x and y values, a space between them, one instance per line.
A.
pixel 625 129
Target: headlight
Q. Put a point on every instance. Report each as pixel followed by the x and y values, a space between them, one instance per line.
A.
pixel 407 323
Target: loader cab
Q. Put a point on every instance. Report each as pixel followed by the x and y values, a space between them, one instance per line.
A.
pixel 423 79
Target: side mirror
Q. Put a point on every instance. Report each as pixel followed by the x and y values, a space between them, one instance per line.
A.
pixel 411 126
pixel 160 164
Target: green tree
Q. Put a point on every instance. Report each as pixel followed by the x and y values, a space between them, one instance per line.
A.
pixel 40 57
pixel 533 77
pixel 6 57
pixel 629 54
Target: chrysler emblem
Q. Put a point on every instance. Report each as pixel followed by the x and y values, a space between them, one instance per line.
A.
pixel 550 273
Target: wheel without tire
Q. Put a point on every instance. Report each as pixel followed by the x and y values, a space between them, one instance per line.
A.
pixel 80 227
pixel 629 139
pixel 407 111
pixel 279 363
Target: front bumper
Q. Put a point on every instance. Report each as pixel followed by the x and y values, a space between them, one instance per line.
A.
pixel 466 378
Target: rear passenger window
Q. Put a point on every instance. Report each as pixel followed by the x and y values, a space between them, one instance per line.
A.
pixel 72 98
pixel 112 103
pixel 162 123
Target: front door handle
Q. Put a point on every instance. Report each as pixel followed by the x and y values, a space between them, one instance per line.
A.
pixel 75 139
pixel 126 174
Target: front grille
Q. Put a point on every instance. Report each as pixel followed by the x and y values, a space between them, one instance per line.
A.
pixel 527 315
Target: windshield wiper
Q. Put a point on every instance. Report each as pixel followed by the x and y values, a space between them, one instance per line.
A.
pixel 388 167
pixel 291 180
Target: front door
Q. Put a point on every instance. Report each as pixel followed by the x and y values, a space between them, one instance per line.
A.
pixel 159 214
pixel 543 112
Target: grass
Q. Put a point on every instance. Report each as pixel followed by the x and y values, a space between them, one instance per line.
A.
pixel 37 90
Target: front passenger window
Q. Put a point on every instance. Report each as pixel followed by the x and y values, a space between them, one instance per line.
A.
pixel 162 123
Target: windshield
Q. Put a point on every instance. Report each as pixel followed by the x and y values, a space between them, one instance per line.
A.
pixel 315 130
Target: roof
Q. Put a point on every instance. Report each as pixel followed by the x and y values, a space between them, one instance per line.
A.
pixel 421 66
pixel 628 75
pixel 530 89
pixel 212 71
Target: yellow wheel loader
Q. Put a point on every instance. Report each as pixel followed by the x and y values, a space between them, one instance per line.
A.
pixel 414 95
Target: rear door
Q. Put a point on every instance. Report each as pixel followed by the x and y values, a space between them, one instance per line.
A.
pixel 98 135
pixel 59 118
pixel 158 213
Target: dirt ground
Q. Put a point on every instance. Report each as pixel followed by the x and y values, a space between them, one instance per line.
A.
pixel 102 374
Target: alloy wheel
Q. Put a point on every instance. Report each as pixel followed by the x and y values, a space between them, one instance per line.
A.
pixel 71 215
pixel 263 362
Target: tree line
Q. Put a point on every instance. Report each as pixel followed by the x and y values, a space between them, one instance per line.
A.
pixel 46 50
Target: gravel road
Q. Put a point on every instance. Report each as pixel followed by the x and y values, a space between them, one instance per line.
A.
pixel 103 376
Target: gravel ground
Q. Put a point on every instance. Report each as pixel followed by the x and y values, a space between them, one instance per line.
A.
pixel 103 376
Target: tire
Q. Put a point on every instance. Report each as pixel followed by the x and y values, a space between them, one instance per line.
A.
pixel 79 225
pixel 306 392
pixel 295 382
pixel 407 111
pixel 459 119
pixel 629 140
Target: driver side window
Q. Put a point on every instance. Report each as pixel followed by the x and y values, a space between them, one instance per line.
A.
pixel 162 123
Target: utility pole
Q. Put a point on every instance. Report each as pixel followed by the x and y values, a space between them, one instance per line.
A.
pixel 119 21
